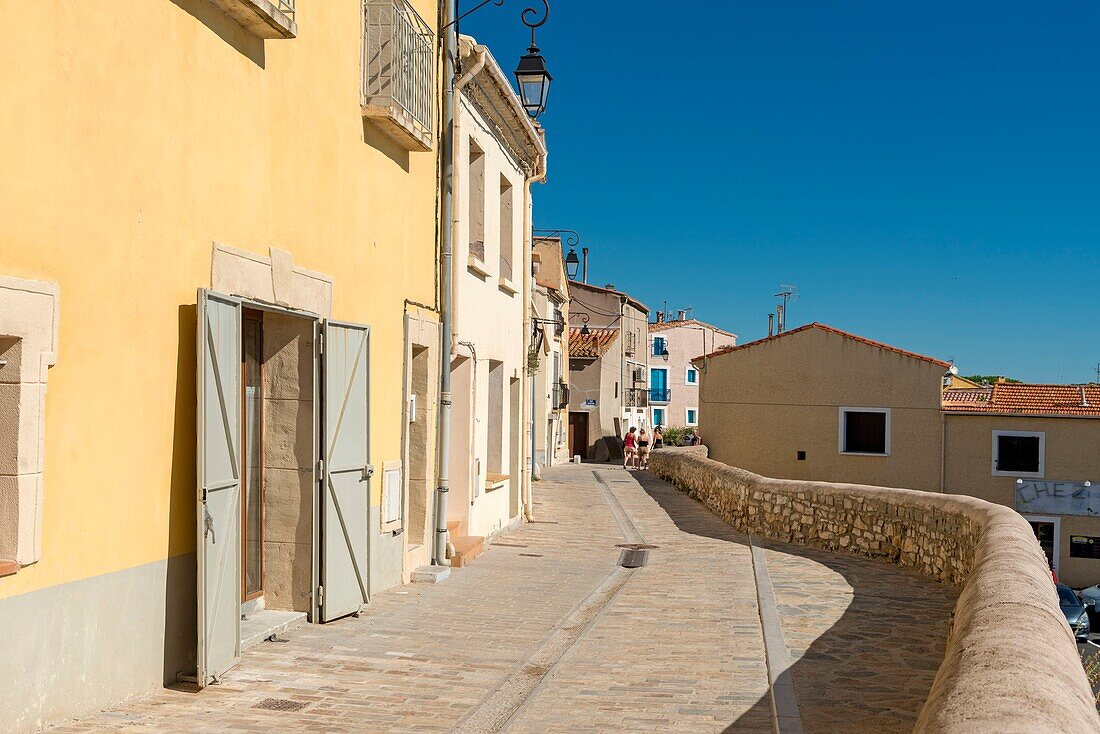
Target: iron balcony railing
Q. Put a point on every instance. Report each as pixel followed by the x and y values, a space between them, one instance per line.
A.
pixel 399 60
pixel 286 7
pixel 659 395
pixel 635 397
pixel 561 396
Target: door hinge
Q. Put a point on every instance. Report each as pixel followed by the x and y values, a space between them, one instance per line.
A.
pixel 320 467
pixel 320 595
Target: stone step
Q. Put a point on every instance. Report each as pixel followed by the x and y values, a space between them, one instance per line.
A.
pixel 430 574
pixel 467 548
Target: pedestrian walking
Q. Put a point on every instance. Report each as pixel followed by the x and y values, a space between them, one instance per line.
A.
pixel 643 449
pixel 630 448
pixel 658 437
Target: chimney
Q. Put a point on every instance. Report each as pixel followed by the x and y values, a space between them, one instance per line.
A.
pixel 681 315
pixel 660 316
pixel 779 320
pixel 771 324
pixel 1084 400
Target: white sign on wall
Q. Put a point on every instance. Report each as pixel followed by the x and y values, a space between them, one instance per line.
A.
pixel 1036 496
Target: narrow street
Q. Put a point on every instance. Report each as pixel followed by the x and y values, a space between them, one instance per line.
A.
pixel 545 632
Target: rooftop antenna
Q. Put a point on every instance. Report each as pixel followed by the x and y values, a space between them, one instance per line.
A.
pixel 786 293
pixel 1098 371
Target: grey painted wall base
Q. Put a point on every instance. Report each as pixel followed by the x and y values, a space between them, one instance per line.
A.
pixel 75 648
pixel 387 553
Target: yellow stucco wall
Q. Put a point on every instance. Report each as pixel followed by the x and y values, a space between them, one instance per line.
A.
pixel 761 405
pixel 1072 454
pixel 133 134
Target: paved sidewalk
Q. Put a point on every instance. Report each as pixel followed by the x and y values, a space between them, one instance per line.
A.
pixel 546 633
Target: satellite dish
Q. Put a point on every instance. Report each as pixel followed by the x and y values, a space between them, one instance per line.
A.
pixel 953 370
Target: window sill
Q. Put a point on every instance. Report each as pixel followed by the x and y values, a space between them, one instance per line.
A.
pixel 507 286
pixel 863 453
pixel 1020 474
pixel 259 17
pixel 495 481
pixel 9 568
pixel 476 266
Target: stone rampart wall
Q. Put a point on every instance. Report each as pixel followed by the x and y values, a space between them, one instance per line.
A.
pixel 1011 664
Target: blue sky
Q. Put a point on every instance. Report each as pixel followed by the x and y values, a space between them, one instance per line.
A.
pixel 927 173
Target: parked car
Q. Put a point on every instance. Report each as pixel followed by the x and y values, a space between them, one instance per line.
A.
pixel 1075 611
pixel 1091 598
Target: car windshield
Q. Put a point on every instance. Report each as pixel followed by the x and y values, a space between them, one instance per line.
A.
pixel 1067 598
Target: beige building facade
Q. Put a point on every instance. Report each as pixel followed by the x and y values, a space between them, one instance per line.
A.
pixel 1035 448
pixel 548 357
pixel 608 366
pixel 499 154
pixel 673 379
pixel 821 404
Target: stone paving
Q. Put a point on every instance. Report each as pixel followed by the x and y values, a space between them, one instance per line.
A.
pixel 673 646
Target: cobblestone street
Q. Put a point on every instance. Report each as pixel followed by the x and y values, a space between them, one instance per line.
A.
pixel 545 632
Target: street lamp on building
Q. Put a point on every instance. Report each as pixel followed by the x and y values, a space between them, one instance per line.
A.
pixel 572 262
pixel 532 76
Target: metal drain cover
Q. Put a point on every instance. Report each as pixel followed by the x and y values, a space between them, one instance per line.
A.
pixel 636 546
pixel 634 555
pixel 280 704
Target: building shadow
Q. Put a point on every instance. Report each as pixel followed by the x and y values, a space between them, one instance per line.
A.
pixel 233 33
pixel 381 142
pixel 868 671
pixel 180 596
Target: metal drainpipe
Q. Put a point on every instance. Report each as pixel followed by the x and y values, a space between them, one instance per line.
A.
pixel 539 174
pixel 447 153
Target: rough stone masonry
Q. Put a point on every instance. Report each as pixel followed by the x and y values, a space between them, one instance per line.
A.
pixel 1011 663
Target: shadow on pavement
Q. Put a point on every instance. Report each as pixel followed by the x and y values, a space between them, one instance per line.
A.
pixel 864 646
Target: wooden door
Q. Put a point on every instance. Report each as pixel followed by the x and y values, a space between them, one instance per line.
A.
pixel 578 435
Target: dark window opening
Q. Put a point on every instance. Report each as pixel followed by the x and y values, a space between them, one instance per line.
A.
pixel 1018 453
pixel 801 455
pixel 864 433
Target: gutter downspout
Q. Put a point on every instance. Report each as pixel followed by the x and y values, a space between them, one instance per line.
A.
pixel 447 153
pixel 528 335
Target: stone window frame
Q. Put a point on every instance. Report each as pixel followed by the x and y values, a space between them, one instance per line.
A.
pixel 688 372
pixel 995 454
pixel 841 430
pixel 687 413
pixel 30 313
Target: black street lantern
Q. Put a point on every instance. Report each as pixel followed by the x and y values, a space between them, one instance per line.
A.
pixel 572 262
pixel 532 76
pixel 534 82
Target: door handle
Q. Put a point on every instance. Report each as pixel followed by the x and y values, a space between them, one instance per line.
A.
pixel 368 472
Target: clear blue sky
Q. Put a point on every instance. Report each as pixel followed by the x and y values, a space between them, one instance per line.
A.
pixel 928 173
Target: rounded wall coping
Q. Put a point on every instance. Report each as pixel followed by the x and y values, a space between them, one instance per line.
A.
pixel 1011 662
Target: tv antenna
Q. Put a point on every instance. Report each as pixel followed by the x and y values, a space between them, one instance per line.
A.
pixel 786 294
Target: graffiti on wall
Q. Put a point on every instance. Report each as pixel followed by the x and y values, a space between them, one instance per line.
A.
pixel 1039 497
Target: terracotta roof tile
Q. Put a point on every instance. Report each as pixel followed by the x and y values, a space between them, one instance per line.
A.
pixel 593 344
pixel 665 325
pixel 1025 399
pixel 831 330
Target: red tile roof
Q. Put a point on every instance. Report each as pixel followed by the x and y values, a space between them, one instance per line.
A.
pixel 1025 399
pixel 831 330
pixel 665 325
pixel 593 344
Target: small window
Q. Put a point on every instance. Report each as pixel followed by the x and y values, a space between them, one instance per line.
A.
pixel 1018 453
pixel 691 417
pixel 660 346
pixel 692 376
pixel 865 431
pixel 659 416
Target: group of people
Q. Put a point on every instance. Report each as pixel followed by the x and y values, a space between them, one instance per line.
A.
pixel 636 445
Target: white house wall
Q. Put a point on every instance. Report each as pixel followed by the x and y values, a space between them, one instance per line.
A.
pixel 489 316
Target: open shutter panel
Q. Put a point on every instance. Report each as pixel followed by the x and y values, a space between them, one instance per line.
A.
pixel 346 490
pixel 219 490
